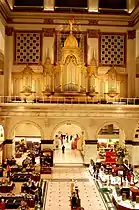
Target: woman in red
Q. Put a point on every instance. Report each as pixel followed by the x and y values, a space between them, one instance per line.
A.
pixel 2 204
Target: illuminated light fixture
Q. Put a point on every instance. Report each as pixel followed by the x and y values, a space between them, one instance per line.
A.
pixel 92 10
pixel 48 9
pixel 93 6
pixel 48 5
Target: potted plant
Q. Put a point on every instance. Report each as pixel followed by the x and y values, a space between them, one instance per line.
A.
pixel 121 152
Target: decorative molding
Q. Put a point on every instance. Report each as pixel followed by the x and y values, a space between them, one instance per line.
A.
pixel 48 32
pixel 130 23
pixel 91 141
pixel 93 33
pixel 59 43
pixel 110 56
pixel 7 141
pixel 10 20
pixel 47 141
pixel 132 34
pixel 48 21
pixel 9 31
pixel 28 43
pixel 93 22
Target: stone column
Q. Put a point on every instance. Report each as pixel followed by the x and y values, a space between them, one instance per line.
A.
pixel 93 6
pixel 90 151
pixel 129 147
pixel 121 136
pixel 92 42
pixel 131 62
pixel 8 60
pixel 7 149
pixel 48 43
pixel 133 149
pixel 137 64
pixel 47 144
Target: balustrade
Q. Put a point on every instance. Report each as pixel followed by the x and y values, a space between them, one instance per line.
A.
pixel 68 100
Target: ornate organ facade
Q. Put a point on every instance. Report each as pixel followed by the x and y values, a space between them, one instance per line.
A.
pixel 71 76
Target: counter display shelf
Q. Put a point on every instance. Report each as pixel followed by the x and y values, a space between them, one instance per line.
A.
pixel 124 205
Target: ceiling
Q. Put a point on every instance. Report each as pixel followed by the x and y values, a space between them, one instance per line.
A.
pixel 103 4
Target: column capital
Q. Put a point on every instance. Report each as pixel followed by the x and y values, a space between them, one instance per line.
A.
pixel 93 33
pixel 7 141
pixel 91 142
pixel 9 31
pixel 131 34
pixel 47 141
pixel 48 32
pixel 132 143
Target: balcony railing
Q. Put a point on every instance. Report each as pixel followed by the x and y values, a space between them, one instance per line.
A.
pixel 67 100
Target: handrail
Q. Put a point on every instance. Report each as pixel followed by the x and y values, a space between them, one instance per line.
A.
pixel 67 100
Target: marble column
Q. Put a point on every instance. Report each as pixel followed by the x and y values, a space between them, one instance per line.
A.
pixel 90 151
pixel 8 60
pixel 47 144
pixel 131 62
pixel 92 42
pixel 121 136
pixel 133 149
pixel 48 43
pixel 7 149
pixel 129 146
pixel 137 64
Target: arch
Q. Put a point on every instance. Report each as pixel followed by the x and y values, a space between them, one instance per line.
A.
pixel 110 122
pixel 69 121
pixel 26 121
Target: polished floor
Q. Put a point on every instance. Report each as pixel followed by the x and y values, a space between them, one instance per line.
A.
pixel 69 167
pixel 70 157
pixel 58 193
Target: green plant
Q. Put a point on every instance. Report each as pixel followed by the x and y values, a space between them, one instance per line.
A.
pixel 121 151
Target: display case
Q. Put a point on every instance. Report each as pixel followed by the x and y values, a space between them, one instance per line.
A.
pixel 46 161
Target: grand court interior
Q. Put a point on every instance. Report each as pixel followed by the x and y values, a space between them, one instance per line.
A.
pixel 69 75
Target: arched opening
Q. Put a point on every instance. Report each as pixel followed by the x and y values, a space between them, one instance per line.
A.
pixel 71 136
pixel 108 136
pixel 26 142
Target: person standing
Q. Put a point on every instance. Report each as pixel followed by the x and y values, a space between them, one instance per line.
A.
pixel 63 149
pixel 2 204
pixel 8 169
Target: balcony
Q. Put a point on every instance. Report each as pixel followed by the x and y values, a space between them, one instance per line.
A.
pixel 66 100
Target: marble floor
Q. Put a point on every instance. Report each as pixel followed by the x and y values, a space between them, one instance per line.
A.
pixel 70 157
pixel 58 193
